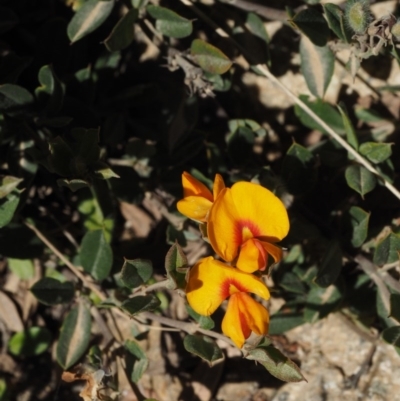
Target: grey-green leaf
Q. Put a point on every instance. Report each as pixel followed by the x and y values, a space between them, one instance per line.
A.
pixel 348 127
pixel 317 64
pixel 136 361
pixel 359 220
pixel 88 18
pixel 169 23
pixel 392 335
pixel 335 16
pixel 209 57
pixel 312 24
pixel 276 363
pixel 96 254
pixel 376 152
pixel 387 251
pixel 175 262
pixel 122 34
pixel 74 336
pixel 202 346
pixel 50 291
pixel 8 206
pixel 14 97
pixel 360 179
pixel 140 303
pixel 136 272
pixel 8 184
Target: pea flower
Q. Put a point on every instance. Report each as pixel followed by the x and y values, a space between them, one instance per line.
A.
pixel 244 223
pixel 210 282
pixel 197 198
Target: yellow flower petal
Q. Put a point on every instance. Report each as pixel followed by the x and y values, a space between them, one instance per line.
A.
pixel 252 256
pixel 218 186
pixel 244 315
pixel 210 282
pixel 193 187
pixel 194 207
pixel 246 210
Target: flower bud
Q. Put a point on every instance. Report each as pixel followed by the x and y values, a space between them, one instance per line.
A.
pixel 357 15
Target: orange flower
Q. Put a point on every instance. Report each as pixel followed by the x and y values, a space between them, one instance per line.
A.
pixel 197 198
pixel 210 282
pixel 244 223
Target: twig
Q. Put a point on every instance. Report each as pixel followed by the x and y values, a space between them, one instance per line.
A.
pixel 263 69
pixel 372 271
pixel 184 326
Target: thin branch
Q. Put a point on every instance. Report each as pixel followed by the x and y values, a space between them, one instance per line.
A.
pixel 263 69
pixel 372 271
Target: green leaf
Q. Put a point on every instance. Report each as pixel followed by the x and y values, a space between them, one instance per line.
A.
pixel 122 34
pixel 256 26
pixel 14 97
pixel 51 89
pixel 323 110
pixel 175 264
pixel 298 170
pixel 203 347
pixel 292 283
pixel 392 336
pixel 8 184
pixel 387 250
pixel 331 265
pixel 205 322
pixel 22 268
pixel 395 306
pixel 313 25
pixel 103 171
pixel 136 361
pixel 74 336
pixel 140 303
pixel 96 255
pixel 360 179
pixel 359 222
pixel 136 272
pixel 321 301
pixel 376 152
pixel 276 363
pixel 335 16
pixel 317 64
pixel 283 321
pixel 73 184
pixel 368 115
pixel 31 342
pixel 50 291
pixel 170 23
pixel 348 126
pixel 88 18
pixel 8 206
pixel 209 57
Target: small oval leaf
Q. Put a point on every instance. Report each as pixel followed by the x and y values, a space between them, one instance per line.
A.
pixel 169 23
pixel 88 18
pixel 140 303
pixel 202 346
pixel 360 179
pixel 387 251
pixel 50 291
pixel 74 336
pixel 136 272
pixel 209 57
pixel 31 342
pixel 317 65
pixel 96 254
pixel 376 152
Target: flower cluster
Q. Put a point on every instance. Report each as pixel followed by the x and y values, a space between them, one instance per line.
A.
pixel 242 223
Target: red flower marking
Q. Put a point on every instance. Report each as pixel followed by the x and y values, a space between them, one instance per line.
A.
pixel 240 225
pixel 225 287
